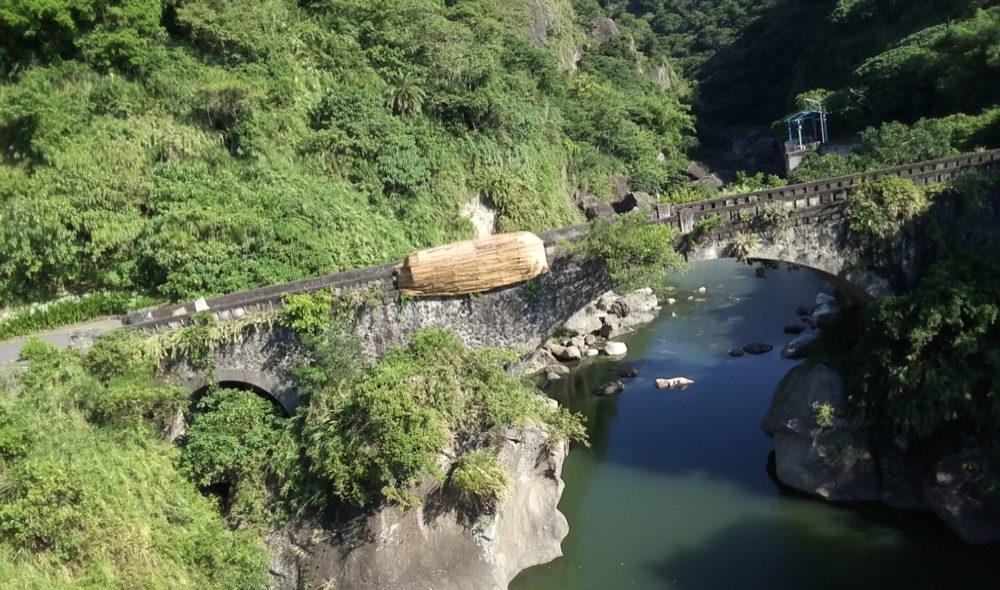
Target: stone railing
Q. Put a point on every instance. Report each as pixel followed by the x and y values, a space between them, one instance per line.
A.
pixel 812 201
pixel 812 197
pixel 375 283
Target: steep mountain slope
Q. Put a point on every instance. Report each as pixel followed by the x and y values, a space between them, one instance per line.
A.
pixel 189 147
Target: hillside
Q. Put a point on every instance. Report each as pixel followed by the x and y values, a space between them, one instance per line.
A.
pixel 192 147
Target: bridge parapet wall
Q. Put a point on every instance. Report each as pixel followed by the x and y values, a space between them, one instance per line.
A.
pixel 375 285
pixel 812 199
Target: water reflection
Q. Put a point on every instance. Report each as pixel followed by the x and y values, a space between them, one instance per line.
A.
pixel 674 492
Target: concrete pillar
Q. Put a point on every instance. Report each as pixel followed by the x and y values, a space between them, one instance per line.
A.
pixel 687 220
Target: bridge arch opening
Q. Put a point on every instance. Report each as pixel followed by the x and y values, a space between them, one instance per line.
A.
pixel 199 394
pixel 231 420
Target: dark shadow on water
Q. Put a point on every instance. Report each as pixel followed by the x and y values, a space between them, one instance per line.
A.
pixel 793 554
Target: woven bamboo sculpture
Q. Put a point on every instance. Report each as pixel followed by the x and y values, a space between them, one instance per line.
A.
pixel 473 266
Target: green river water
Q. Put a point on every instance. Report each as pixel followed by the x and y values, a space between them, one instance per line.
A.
pixel 675 491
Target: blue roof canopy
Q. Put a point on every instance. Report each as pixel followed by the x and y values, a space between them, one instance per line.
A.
pixel 807 127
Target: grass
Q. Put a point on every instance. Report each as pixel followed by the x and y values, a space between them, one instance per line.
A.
pixel 480 479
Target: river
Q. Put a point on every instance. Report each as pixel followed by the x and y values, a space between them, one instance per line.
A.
pixel 675 493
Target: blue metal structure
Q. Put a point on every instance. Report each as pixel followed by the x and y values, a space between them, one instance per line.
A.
pixel 807 127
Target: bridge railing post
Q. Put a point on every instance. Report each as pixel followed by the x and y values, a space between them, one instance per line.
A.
pixel 687 220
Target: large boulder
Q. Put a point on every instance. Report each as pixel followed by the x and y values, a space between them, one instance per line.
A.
pixel 566 353
pixel 963 492
pixel 819 448
pixel 594 209
pixel 435 545
pixel 640 300
pixel 633 201
pixel 584 322
pixel 604 30
pixel 615 349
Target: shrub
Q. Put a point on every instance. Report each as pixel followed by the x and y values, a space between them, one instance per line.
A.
pixel 775 218
pixel 879 210
pixel 136 401
pixel 373 437
pixel 927 363
pixel 308 313
pixel 118 353
pixel 233 440
pixel 635 253
pixel 480 479
pixel 824 414
pixel 747 183
pixel 743 245
pixel 688 193
pixel 702 228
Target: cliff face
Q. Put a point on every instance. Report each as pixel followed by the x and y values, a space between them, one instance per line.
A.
pixel 438 544
pixel 823 450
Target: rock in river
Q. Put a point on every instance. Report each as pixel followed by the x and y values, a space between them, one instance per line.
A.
pixel 794 329
pixel 569 353
pixel 561 370
pixel 615 348
pixel 674 383
pixel 757 348
pixel 609 389
pixel 629 373
pixel 736 352
pixel 800 347
pixel 831 459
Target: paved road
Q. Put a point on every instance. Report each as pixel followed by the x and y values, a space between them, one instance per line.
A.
pixel 75 336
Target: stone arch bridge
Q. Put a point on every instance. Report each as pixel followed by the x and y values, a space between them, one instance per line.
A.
pixel 523 316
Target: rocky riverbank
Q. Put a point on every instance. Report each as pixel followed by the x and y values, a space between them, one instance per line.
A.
pixel 591 331
pixel 439 544
pixel 822 449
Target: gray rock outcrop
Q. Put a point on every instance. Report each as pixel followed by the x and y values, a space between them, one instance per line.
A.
pixel 435 545
pixel 800 347
pixel 962 493
pixel 818 448
pixel 822 450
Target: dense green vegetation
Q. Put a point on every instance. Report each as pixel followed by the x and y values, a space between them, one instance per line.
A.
pixel 480 479
pixel 928 68
pixel 634 253
pixel 181 148
pixel 93 495
pixel 928 361
pixel 374 437
pixel 236 440
pixel 924 364
pixel 879 210
pixel 895 144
